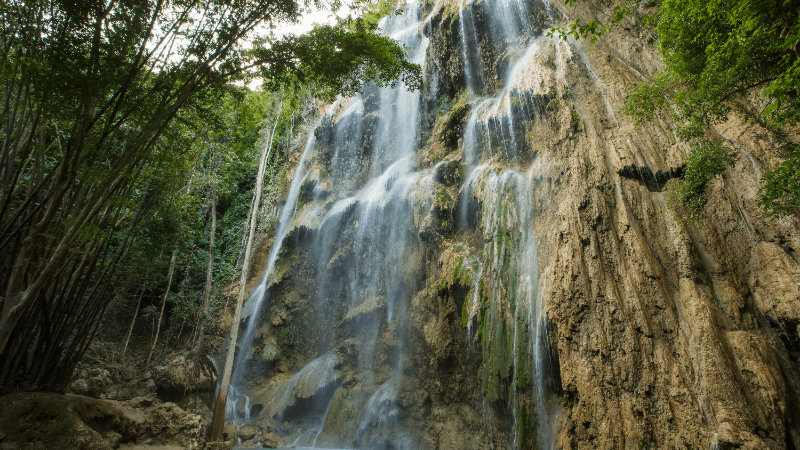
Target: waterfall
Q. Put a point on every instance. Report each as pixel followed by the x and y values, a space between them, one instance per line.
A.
pixel 258 297
pixel 363 214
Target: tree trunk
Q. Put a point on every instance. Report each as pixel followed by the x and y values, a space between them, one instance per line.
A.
pixel 199 347
pixel 130 330
pixel 218 423
pixel 163 303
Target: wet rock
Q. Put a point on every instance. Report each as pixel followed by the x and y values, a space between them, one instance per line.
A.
pixel 660 334
pixel 453 131
pixel 366 311
pixel 269 440
pixel 231 432
pixel 313 384
pixel 247 432
pixel 429 232
pixel 448 173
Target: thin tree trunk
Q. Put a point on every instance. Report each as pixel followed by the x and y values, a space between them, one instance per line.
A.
pixel 199 347
pixel 218 423
pixel 182 293
pixel 136 313
pixel 163 303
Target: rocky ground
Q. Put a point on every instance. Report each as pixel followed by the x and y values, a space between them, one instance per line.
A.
pixel 115 402
pixel 46 421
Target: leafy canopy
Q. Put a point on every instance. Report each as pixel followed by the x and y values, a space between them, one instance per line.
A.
pixel 106 109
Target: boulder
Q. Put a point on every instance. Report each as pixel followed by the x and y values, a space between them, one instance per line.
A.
pixel 269 440
pixel 186 374
pixel 49 421
pixel 247 432
pixel 90 383
pixel 231 432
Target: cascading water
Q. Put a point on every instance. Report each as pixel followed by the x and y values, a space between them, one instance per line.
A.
pixel 514 296
pixel 237 409
pixel 374 218
pixel 492 137
pixel 357 208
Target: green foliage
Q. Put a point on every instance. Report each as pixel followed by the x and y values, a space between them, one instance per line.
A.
pixel 107 105
pixel 443 199
pixel 379 10
pixel 342 407
pixel 576 120
pixel 270 353
pixel 526 425
pixel 707 160
pixel 719 57
pixel 121 123
pixel 780 192
pixel 717 54
pixel 336 60
pixel 292 336
pixel 228 144
pixel 453 128
pixel 648 99
pixel 499 320
pixel 461 171
pixel 550 62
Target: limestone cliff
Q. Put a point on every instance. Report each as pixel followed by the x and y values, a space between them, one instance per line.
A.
pixel 492 262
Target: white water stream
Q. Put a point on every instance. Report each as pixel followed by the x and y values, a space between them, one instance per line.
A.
pixel 375 219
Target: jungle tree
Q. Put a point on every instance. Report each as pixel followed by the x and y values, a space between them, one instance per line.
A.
pixel 95 125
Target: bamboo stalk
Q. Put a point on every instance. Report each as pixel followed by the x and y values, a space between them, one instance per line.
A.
pixel 163 303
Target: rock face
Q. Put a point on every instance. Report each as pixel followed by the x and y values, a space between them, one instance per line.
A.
pixel 493 262
pixel 53 422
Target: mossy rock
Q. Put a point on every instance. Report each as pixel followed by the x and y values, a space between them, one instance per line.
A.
pixel 454 127
pixel 449 173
